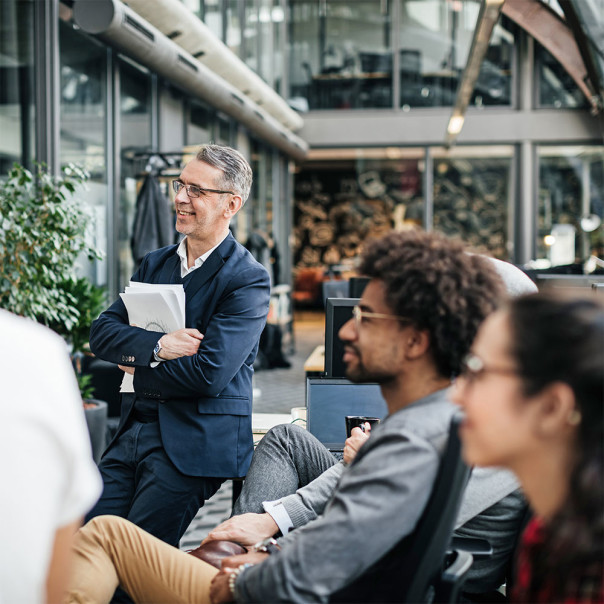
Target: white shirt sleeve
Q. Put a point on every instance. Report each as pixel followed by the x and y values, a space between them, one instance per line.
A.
pixel 49 477
pixel 279 515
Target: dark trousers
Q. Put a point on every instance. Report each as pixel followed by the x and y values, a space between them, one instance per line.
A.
pixel 142 485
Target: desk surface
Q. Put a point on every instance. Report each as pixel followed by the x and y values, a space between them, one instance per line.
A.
pixel 262 422
pixel 316 360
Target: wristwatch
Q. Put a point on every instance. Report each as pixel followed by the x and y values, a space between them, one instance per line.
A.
pixel 268 546
pixel 156 352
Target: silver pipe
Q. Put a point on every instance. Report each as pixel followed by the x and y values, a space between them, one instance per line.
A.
pixel 120 27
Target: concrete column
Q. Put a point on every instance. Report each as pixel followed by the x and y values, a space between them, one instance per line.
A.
pixel 526 204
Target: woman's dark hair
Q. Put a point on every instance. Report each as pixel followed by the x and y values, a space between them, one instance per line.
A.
pixel 433 281
pixel 557 338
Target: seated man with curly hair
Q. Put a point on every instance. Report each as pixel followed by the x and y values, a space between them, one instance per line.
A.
pixel 416 321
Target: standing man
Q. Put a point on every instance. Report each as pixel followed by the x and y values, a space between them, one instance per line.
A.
pixel 187 425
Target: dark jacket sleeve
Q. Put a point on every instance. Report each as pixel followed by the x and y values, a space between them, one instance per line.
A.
pixel 230 339
pixel 113 339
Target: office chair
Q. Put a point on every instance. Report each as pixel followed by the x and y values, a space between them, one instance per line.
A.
pixel 481 548
pixel 415 570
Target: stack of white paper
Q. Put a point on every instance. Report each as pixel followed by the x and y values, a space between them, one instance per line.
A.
pixel 155 307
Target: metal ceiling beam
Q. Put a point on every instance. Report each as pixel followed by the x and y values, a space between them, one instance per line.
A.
pixel 485 23
pixel 597 86
pixel 543 24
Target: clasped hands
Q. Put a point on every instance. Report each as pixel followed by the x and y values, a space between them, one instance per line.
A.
pixel 245 529
pixel 182 343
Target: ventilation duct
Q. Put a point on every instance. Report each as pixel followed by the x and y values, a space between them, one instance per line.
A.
pixel 122 28
pixel 182 26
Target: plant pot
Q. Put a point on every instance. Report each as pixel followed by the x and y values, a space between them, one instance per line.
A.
pixel 96 420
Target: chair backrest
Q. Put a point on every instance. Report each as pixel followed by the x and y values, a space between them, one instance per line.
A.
pixel 408 572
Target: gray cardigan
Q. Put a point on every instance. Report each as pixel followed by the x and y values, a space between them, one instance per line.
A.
pixel 377 502
pixel 491 509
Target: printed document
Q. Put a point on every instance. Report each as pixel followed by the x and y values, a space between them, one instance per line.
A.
pixel 155 307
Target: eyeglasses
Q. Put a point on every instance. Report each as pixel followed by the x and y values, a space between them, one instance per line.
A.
pixel 473 367
pixel 193 191
pixel 359 314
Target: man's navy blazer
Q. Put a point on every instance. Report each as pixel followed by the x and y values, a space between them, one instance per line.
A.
pixel 204 400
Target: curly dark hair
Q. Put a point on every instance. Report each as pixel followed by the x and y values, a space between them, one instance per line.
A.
pixel 432 280
pixel 557 337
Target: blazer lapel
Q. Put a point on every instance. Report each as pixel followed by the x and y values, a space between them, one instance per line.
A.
pixel 209 268
pixel 170 272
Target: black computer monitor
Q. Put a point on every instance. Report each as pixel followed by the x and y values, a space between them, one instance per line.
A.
pixel 357 286
pixel 337 312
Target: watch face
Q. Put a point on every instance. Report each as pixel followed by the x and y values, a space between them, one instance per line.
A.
pixel 268 545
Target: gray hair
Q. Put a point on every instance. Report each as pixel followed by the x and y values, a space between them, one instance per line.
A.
pixel 236 171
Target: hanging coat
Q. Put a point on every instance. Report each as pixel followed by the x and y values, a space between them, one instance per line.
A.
pixel 153 225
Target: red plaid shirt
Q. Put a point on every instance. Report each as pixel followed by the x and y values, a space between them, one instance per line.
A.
pixel 588 588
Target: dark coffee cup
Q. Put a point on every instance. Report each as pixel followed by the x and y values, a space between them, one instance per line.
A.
pixel 358 421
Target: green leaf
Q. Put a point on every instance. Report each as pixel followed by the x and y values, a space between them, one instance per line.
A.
pixel 43 225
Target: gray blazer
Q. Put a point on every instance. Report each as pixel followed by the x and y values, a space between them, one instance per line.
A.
pixel 377 502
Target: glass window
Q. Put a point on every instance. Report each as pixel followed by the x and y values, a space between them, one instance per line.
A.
pixel 135 105
pixel 435 38
pixel 555 86
pixel 571 203
pixel 255 205
pixel 17 116
pixel 472 195
pixel 212 17
pixel 199 124
pixel 233 26
pixel 251 37
pixel 341 53
pixel 265 41
pixel 494 83
pixel 344 196
pixel 83 125
pixel 278 16
pixel 195 6
pixel 135 135
pixel 268 194
pixel 224 130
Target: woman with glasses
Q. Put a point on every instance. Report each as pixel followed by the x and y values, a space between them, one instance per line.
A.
pixel 533 394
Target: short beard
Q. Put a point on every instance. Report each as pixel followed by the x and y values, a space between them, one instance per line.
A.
pixel 360 375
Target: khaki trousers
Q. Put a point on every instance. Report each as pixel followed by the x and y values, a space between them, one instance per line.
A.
pixel 111 551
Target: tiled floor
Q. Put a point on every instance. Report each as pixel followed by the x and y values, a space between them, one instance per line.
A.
pixel 276 391
pixel 282 389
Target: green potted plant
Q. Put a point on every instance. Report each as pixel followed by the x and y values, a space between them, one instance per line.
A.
pixel 44 226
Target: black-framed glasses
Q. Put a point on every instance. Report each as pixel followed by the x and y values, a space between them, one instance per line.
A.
pixel 473 367
pixel 193 191
pixel 359 314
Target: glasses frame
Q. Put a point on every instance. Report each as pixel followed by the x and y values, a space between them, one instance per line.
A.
pixel 473 367
pixel 177 185
pixel 358 313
